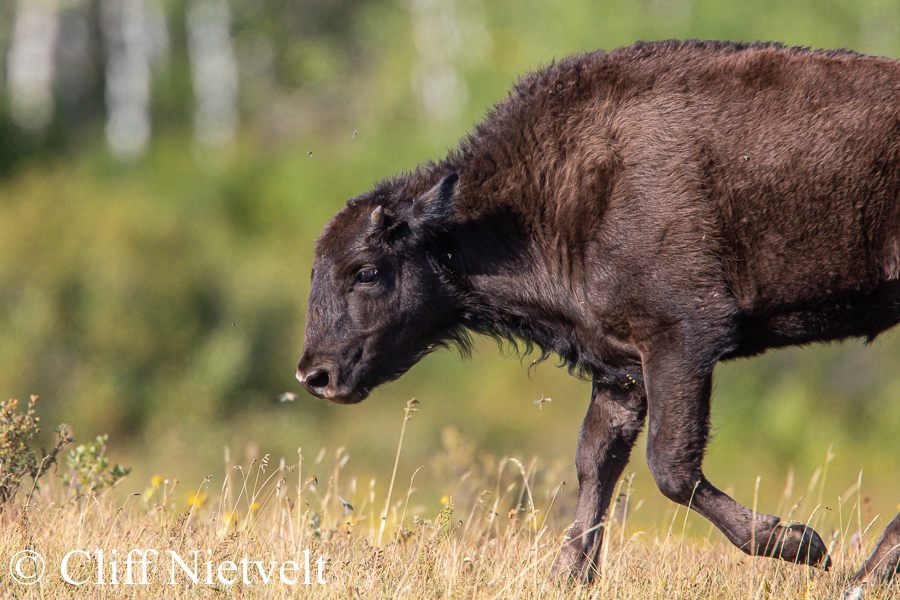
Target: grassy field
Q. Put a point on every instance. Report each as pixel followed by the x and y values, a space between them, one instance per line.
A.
pixel 270 529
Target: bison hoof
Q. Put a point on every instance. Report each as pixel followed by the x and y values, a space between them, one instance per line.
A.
pixel 800 544
pixel 854 592
pixel 573 566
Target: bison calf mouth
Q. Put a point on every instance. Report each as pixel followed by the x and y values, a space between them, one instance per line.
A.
pixel 320 382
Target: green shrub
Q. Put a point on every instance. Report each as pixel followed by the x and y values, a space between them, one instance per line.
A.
pixel 17 460
pixel 89 466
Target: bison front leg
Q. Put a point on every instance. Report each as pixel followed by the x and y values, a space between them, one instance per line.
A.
pixel 678 392
pixel 608 433
pixel 882 565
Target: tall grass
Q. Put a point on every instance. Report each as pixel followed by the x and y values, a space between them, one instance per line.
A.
pixel 496 535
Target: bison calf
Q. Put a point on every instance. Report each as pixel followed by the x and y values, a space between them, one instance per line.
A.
pixel 644 214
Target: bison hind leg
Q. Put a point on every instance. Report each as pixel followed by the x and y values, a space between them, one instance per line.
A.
pixel 882 564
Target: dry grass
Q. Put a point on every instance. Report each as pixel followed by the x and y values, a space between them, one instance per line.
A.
pixel 496 537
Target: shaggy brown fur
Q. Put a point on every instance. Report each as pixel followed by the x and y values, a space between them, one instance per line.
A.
pixel 643 214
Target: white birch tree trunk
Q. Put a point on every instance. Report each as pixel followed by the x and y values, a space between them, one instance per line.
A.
pixel 214 72
pixel 30 64
pixel 127 40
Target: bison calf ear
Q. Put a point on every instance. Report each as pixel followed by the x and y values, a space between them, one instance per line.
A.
pixel 435 207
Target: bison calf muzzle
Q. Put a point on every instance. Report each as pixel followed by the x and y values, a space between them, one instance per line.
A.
pixel 644 214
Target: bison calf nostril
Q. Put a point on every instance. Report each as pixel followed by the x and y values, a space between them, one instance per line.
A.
pixel 318 379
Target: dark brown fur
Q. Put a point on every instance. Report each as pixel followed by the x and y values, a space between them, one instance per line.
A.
pixel 643 214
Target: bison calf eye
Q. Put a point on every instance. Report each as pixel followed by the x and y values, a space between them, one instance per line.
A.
pixel 367 276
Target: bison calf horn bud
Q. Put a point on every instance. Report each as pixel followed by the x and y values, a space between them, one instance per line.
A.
pixel 377 216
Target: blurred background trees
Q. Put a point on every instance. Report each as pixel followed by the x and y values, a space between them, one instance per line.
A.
pixel 166 165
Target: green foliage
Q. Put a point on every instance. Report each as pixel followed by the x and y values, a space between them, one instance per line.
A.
pixel 17 459
pixel 89 466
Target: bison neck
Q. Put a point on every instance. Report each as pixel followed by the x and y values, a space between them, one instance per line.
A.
pixel 512 284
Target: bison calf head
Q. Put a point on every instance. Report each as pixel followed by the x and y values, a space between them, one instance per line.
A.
pixel 378 300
